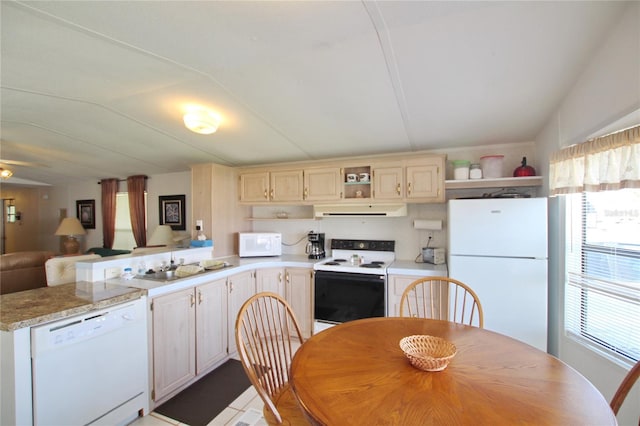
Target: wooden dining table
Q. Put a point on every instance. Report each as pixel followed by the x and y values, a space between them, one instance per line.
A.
pixel 356 374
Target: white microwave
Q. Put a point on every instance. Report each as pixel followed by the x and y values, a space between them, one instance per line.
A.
pixel 253 244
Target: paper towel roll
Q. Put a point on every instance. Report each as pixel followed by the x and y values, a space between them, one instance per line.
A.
pixel 434 225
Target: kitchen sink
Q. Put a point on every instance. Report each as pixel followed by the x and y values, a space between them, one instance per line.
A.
pixel 160 276
pixel 171 275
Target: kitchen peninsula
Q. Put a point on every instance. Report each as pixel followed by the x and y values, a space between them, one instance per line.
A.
pixel 174 317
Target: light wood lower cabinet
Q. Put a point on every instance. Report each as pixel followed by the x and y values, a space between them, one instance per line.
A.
pixel 299 294
pixel 174 341
pixel 211 324
pixel 270 279
pixel 396 284
pixel 194 329
pixel 189 335
pixel 240 287
pixel 295 285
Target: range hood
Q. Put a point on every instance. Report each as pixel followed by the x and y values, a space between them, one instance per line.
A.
pixel 360 210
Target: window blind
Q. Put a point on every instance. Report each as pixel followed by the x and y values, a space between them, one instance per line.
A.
pixel 602 297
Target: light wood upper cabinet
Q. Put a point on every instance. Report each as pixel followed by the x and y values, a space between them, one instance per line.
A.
pixel 274 186
pixel 286 185
pixel 419 179
pixel 388 182
pixel 425 181
pixel 398 177
pixel 323 184
pixel 254 187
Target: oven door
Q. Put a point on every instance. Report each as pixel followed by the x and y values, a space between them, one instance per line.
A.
pixel 344 296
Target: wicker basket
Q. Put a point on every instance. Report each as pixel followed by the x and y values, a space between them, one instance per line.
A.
pixel 428 353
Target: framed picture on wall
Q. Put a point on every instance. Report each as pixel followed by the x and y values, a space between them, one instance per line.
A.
pixel 86 213
pixel 172 211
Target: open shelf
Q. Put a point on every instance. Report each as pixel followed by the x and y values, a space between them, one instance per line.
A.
pixel 511 182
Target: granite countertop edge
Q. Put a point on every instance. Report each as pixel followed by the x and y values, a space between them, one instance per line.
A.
pixel 34 307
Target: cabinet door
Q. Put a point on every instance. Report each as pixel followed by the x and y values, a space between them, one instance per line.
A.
pixel 299 288
pixel 174 341
pixel 323 184
pixel 270 279
pixel 286 185
pixel 396 286
pixel 388 183
pixel 426 181
pixel 211 324
pixel 254 187
pixel 240 287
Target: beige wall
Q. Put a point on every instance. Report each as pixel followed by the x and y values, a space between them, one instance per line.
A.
pixel 608 92
pixel 46 206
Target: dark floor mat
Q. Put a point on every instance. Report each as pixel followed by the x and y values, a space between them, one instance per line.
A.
pixel 205 399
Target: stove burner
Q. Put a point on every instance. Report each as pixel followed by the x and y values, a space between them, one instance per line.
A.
pixel 339 260
pixel 331 263
pixel 372 265
pixel 377 262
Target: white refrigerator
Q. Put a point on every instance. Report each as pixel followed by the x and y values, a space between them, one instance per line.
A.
pixel 498 246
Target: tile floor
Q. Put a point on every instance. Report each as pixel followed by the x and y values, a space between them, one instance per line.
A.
pixel 246 410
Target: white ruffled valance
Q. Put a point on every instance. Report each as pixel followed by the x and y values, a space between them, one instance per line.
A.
pixel 607 163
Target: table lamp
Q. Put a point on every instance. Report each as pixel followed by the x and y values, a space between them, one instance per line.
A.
pixel 162 236
pixel 70 226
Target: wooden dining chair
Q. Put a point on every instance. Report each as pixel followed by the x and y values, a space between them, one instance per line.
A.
pixel 442 298
pixel 624 388
pixel 267 334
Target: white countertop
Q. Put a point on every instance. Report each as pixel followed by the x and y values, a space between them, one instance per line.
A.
pixel 410 267
pixel 239 265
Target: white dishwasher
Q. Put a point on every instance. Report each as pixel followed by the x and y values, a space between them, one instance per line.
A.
pixel 91 369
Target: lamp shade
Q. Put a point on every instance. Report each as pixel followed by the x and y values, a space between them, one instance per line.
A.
pixel 70 226
pixel 162 236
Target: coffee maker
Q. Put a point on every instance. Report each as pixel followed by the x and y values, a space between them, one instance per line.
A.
pixel 315 246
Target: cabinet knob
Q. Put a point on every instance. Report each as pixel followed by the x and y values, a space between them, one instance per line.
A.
pixel 409 188
pixel 271 194
pixel 398 189
pixel 280 277
pixel 200 298
pixel 266 197
pixel 192 298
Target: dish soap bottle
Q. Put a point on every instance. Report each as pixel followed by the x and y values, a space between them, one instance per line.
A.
pixel 200 236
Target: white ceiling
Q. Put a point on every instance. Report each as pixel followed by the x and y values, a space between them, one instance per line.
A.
pixel 96 89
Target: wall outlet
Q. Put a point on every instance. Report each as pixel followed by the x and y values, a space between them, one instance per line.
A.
pixel 199 223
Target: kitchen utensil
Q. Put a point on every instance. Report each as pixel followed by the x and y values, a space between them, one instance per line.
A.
pixel 524 170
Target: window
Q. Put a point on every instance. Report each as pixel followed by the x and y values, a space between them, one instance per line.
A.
pixel 123 238
pixel 602 298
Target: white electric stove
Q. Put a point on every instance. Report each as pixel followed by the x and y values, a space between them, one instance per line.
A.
pixel 352 283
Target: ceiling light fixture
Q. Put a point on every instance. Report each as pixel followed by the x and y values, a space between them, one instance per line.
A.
pixel 5 173
pixel 201 121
